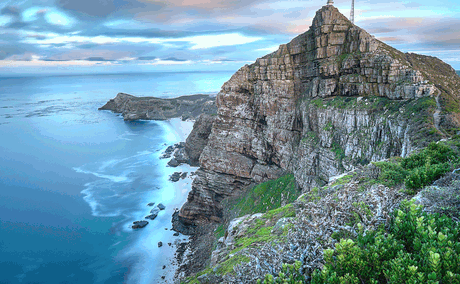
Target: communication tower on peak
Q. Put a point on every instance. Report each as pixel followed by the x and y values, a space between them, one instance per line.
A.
pixel 330 2
pixel 352 12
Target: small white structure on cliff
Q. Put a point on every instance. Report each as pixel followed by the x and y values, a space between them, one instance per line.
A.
pixel 330 2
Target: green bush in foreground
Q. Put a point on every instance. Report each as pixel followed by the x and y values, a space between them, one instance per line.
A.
pixel 290 274
pixel 418 248
pixel 420 169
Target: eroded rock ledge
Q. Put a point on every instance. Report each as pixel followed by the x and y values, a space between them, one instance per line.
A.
pixel 151 108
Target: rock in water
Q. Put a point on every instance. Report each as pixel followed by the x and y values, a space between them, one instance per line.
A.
pixel 161 206
pixel 154 213
pixel 151 216
pixel 160 244
pixel 175 176
pixel 173 163
pixel 139 224
pixel 155 210
pixel 151 204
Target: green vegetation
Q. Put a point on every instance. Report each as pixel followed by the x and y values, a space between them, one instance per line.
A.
pixel 261 230
pixel 417 248
pixel 339 153
pixel 220 231
pixel 310 136
pixel 328 126
pixel 419 169
pixel 267 196
pixel 290 274
pixel 223 269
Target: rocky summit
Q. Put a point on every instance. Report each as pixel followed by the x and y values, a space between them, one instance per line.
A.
pixel 332 99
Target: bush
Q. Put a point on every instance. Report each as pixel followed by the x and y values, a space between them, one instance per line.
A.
pixel 419 248
pixel 290 274
pixel 420 169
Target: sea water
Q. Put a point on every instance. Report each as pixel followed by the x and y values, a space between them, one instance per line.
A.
pixel 73 179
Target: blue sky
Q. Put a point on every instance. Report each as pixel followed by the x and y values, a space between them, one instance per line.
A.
pixel 82 36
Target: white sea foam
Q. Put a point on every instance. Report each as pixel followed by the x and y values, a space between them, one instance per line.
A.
pixel 109 177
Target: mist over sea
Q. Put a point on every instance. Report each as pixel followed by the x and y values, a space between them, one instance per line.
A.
pixel 73 179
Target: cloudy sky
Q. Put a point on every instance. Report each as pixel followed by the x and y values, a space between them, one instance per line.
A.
pixel 81 36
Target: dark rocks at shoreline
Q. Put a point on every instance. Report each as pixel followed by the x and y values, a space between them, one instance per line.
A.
pixel 151 204
pixel 179 154
pixel 154 213
pixel 151 108
pixel 168 152
pixel 180 227
pixel 139 224
pixel 151 216
pixel 176 234
pixel 161 206
pixel 177 176
pixel 160 244
pixel 173 163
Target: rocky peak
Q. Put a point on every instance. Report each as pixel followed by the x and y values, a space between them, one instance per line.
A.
pixel 331 99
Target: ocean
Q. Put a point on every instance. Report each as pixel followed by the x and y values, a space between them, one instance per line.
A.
pixel 73 179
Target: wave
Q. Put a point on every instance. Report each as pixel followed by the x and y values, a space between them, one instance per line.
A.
pixel 109 177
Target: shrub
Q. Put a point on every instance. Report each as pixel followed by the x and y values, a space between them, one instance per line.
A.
pixel 419 248
pixel 419 169
pixel 290 274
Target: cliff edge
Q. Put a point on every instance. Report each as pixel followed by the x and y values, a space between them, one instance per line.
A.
pixel 330 100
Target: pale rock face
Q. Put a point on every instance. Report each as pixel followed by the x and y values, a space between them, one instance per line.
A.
pixel 265 125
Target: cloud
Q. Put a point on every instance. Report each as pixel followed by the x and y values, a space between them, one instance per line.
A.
pixel 174 59
pixel 147 58
pixel 91 10
pixel 11 11
pixel 89 55
pixel 441 32
pixel 168 32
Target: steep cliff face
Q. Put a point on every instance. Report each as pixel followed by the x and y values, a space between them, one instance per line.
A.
pixel 332 98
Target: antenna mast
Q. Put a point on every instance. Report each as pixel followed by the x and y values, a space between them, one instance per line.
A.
pixel 352 12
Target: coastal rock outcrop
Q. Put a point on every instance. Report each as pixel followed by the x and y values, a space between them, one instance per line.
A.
pixel 151 108
pixel 198 138
pixel 331 99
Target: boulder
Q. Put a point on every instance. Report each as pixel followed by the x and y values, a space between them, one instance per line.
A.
pixel 139 224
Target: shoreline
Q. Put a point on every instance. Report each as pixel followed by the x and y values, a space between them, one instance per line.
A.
pixel 177 130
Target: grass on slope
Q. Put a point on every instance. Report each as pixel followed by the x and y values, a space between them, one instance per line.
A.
pixel 267 196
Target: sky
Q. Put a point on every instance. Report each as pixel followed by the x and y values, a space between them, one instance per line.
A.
pixel 114 36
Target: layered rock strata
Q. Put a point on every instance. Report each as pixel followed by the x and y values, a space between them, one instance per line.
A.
pixel 310 108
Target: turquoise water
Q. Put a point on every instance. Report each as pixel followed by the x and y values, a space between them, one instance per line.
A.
pixel 73 179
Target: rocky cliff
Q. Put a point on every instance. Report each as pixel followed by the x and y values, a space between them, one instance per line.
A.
pixel 331 99
pixel 151 108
